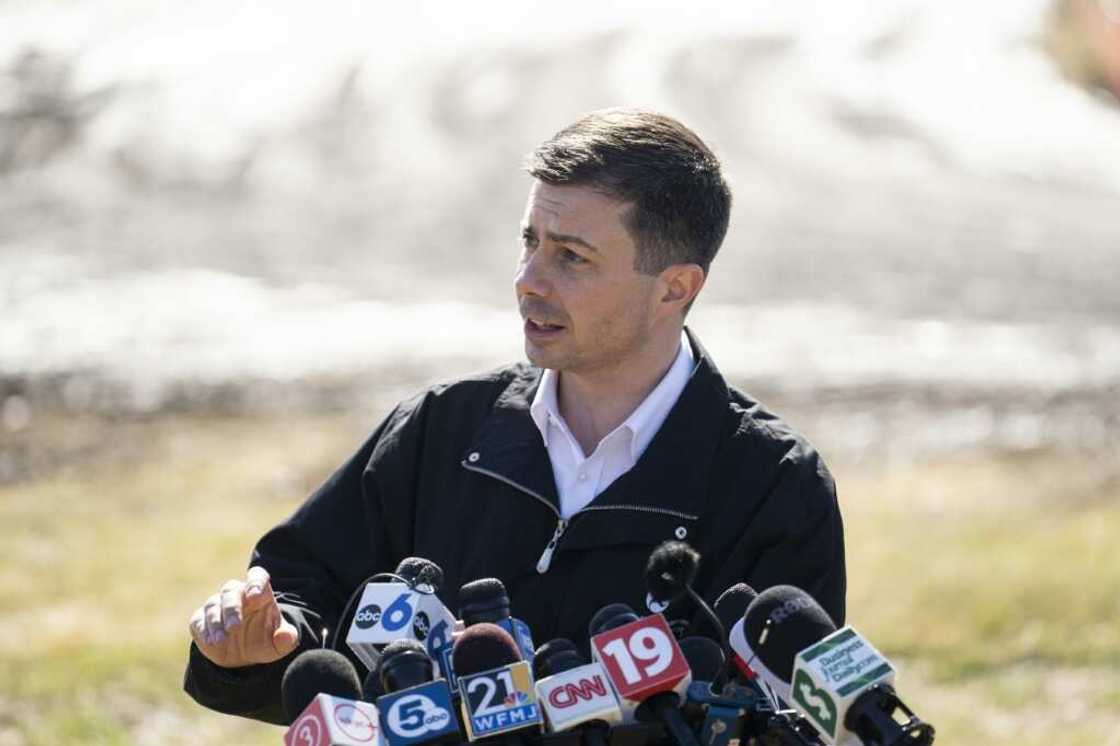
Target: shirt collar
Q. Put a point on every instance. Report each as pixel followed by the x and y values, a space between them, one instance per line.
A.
pixel 643 423
pixel 545 404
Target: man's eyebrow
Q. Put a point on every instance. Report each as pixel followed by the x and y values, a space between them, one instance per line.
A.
pixel 527 230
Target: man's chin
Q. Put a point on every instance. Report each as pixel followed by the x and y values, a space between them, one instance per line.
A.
pixel 542 358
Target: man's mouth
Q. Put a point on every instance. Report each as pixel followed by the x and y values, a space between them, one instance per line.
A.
pixel 543 325
pixel 540 329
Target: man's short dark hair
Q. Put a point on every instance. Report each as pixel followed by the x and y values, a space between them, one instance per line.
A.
pixel 680 203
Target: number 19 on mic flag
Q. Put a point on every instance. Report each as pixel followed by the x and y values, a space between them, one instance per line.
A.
pixel 641 659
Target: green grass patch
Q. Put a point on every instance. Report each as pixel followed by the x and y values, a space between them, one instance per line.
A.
pixel 991 581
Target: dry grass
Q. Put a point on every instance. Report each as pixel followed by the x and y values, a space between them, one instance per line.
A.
pixel 991 580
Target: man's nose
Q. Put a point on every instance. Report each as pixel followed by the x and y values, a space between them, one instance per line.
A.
pixel 531 277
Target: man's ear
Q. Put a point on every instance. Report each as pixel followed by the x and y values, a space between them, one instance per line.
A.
pixel 681 283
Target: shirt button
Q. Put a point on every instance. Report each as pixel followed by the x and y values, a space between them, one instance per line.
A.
pixel 583 477
pixel 681 532
pixel 474 456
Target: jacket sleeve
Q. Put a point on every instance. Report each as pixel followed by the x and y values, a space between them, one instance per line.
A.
pixel 796 537
pixel 357 523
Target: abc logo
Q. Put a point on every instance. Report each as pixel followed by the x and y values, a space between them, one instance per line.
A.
pixel 367 616
pixel 414 715
pixel 421 625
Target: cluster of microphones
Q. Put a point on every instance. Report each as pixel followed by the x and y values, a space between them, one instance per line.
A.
pixel 757 668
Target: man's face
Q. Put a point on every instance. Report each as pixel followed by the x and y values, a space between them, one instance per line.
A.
pixel 586 309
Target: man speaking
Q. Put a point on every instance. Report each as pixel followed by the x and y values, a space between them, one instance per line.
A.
pixel 558 476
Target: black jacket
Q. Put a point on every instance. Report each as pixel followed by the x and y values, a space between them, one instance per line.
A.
pixel 460 475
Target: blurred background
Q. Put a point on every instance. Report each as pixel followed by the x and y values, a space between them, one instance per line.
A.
pixel 233 235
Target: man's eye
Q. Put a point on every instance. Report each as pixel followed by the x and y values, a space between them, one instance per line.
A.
pixel 571 257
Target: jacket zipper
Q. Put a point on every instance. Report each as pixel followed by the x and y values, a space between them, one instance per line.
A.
pixel 562 523
pixel 546 557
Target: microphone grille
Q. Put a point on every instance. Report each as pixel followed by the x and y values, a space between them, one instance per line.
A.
pixel 317 671
pixel 609 617
pixel 780 623
pixel 729 607
pixel 555 656
pixel 481 647
pixel 671 567
pixel 704 656
pixel 420 571
pixel 483 600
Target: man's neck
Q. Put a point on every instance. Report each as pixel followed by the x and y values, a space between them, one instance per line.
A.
pixel 594 404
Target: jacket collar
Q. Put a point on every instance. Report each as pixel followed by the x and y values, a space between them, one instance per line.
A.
pixel 672 474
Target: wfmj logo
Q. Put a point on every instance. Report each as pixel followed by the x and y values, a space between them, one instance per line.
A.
pixel 499 700
pixel 417 714
pixel 814 702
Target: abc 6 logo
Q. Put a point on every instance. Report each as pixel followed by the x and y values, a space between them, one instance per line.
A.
pixel 394 617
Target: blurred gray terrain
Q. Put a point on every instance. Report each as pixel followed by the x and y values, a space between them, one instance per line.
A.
pixel 204 210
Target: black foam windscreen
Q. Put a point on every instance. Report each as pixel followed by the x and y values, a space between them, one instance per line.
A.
pixel 402 664
pixel 704 656
pixel 555 656
pixel 371 687
pixel 780 623
pixel 729 607
pixel 420 571
pixel 318 671
pixel 670 569
pixel 609 617
pixel 483 600
pixel 481 647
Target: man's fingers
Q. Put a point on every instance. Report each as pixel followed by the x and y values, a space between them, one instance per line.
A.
pixel 231 603
pixel 197 625
pixel 258 587
pixel 285 638
pixel 212 614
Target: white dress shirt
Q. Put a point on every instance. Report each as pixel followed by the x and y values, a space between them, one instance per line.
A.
pixel 580 478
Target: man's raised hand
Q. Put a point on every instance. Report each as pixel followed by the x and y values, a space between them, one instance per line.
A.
pixel 242 624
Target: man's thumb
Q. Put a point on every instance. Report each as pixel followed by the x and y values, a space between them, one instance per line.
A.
pixel 285 638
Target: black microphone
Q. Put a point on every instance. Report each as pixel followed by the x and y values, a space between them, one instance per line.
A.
pixel 371 687
pixel 778 624
pixel 719 718
pixel 403 664
pixel 582 700
pixel 669 573
pixel 414 707
pixel 609 617
pixel 315 672
pixel 729 607
pixel 670 570
pixel 496 685
pixel 837 680
pixel 486 600
pixel 419 572
pixel 363 638
pixel 483 646
pixel 652 681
